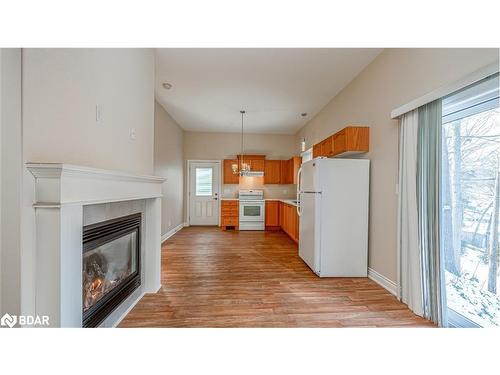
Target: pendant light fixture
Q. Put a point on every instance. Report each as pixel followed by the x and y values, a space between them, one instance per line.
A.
pixel 241 167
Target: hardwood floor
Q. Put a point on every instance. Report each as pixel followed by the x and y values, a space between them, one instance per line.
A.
pixel 215 278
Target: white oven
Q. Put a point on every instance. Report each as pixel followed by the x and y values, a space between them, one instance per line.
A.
pixel 252 210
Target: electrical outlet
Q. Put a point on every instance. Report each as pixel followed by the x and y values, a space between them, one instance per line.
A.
pixel 132 135
pixel 170 223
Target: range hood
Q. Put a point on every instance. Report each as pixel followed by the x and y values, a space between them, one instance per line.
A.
pixel 252 174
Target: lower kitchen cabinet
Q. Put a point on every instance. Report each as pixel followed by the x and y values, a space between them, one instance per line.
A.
pixel 289 220
pixel 279 215
pixel 272 215
pixel 229 214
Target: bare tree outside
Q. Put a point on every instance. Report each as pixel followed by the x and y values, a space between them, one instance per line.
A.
pixel 471 215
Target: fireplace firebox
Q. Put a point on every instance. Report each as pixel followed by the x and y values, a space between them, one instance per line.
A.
pixel 111 266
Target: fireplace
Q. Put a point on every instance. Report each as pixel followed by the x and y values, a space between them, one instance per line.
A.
pixel 111 266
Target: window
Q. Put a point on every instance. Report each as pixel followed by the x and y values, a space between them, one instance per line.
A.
pixel 203 181
pixel 470 204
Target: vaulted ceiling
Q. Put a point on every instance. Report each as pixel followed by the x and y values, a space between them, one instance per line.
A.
pixel 274 86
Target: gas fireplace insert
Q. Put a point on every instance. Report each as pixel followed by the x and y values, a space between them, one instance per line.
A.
pixel 111 266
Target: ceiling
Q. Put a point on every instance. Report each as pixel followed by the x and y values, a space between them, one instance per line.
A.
pixel 274 86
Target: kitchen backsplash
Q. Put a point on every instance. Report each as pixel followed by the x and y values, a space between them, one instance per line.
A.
pixel 270 191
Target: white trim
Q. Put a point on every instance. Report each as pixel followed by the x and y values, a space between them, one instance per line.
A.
pixel 456 320
pixel 383 281
pixel 132 305
pixel 58 184
pixel 446 89
pixel 57 170
pixel 188 187
pixel 125 313
pixel 171 232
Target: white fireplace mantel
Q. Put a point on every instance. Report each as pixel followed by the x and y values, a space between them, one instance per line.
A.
pixel 61 193
pixel 58 183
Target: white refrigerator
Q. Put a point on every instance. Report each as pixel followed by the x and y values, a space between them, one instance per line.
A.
pixel 333 203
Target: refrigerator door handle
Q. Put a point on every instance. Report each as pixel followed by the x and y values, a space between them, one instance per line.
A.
pixel 299 172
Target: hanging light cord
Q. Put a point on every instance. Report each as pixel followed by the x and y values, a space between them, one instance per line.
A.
pixel 241 164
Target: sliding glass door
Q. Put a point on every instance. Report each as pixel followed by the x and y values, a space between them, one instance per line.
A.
pixel 470 204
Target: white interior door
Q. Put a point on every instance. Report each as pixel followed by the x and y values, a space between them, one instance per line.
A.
pixel 204 193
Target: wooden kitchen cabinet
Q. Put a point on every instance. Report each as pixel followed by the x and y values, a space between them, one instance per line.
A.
pixel 256 162
pixel 327 147
pixel 257 165
pixel 272 214
pixel 272 171
pixel 296 162
pixel 317 150
pixel 289 220
pixel 289 170
pixel 350 140
pixel 281 214
pixel 285 171
pixel 323 148
pixel 275 171
pixel 229 177
pixel 230 213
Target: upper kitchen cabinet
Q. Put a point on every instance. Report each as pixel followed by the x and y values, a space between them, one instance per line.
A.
pixel 296 162
pixel 324 148
pixel 229 176
pixel 289 169
pixel 350 140
pixel 272 171
pixel 285 172
pixel 275 171
pixel 317 150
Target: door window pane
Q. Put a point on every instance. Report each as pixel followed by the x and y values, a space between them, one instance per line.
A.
pixel 470 204
pixel 203 181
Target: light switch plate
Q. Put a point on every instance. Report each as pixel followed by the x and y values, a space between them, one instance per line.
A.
pixel 98 114
pixel 132 135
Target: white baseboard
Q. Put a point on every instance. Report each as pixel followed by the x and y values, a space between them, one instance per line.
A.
pixel 383 281
pixel 171 232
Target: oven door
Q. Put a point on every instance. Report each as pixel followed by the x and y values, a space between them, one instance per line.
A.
pixel 251 211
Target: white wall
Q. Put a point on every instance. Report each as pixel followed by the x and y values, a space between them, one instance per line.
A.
pixel 1 177
pixel 61 88
pixel 169 163
pixel 218 146
pixel 394 78
pixel 11 180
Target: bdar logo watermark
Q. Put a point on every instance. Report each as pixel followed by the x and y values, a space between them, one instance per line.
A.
pixel 8 320
pixel 24 320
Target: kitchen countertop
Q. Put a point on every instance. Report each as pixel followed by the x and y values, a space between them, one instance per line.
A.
pixel 287 201
pixel 291 202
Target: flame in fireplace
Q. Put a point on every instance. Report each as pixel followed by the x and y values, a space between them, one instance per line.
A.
pixel 93 291
pixel 96 284
pixel 105 267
